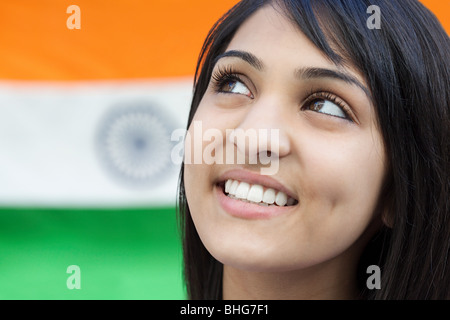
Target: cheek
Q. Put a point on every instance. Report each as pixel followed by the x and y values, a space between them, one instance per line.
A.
pixel 196 171
pixel 342 176
pixel 203 149
pixel 339 185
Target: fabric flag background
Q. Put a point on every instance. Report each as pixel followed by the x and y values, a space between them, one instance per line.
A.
pixel 86 114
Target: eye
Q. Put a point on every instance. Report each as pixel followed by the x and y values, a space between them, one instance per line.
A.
pixel 328 104
pixel 235 86
pixel 227 80
pixel 328 107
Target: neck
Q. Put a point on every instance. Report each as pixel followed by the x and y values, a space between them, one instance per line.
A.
pixel 328 281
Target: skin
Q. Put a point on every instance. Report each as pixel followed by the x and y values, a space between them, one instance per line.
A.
pixel 333 166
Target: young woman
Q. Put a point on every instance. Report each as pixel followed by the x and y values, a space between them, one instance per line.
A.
pixel 362 119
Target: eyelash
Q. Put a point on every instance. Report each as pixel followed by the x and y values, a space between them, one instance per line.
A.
pixel 314 96
pixel 223 75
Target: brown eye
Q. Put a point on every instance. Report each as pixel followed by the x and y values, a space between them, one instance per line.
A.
pixel 234 86
pixel 328 104
pixel 327 107
pixel 228 86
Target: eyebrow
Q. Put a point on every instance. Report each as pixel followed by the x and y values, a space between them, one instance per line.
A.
pixel 246 56
pixel 305 73
pixel 317 73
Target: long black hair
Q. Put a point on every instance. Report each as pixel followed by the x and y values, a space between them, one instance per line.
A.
pixel 406 66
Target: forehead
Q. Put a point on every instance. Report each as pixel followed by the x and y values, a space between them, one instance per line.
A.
pixel 268 32
pixel 277 40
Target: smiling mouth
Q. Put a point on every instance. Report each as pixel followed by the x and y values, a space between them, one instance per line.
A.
pixel 256 194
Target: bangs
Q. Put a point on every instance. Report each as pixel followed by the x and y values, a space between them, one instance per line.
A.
pixel 337 28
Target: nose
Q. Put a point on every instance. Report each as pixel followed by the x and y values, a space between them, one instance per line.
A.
pixel 262 133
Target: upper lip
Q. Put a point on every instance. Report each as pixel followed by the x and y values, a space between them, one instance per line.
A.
pixel 254 178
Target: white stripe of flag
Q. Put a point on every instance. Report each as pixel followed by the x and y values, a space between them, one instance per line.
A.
pixel 90 143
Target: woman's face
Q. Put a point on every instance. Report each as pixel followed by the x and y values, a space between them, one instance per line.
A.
pixel 331 159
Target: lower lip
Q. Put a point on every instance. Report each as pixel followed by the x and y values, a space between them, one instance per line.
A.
pixel 248 210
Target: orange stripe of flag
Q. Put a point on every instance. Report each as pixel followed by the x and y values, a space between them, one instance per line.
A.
pixel 117 39
pixel 441 8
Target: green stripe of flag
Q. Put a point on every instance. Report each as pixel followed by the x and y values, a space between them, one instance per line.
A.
pixel 122 253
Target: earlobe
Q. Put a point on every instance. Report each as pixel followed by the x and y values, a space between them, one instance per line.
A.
pixel 387 219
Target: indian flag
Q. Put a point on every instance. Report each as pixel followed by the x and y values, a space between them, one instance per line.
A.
pixel 90 93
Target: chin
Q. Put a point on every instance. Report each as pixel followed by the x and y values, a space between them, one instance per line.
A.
pixel 257 257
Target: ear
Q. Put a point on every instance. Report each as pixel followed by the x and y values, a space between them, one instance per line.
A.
pixel 387 219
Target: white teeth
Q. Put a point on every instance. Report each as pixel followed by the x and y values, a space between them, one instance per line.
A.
pixel 256 194
pixel 269 196
pixel 281 199
pixel 242 190
pixel 233 187
pixel 227 185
